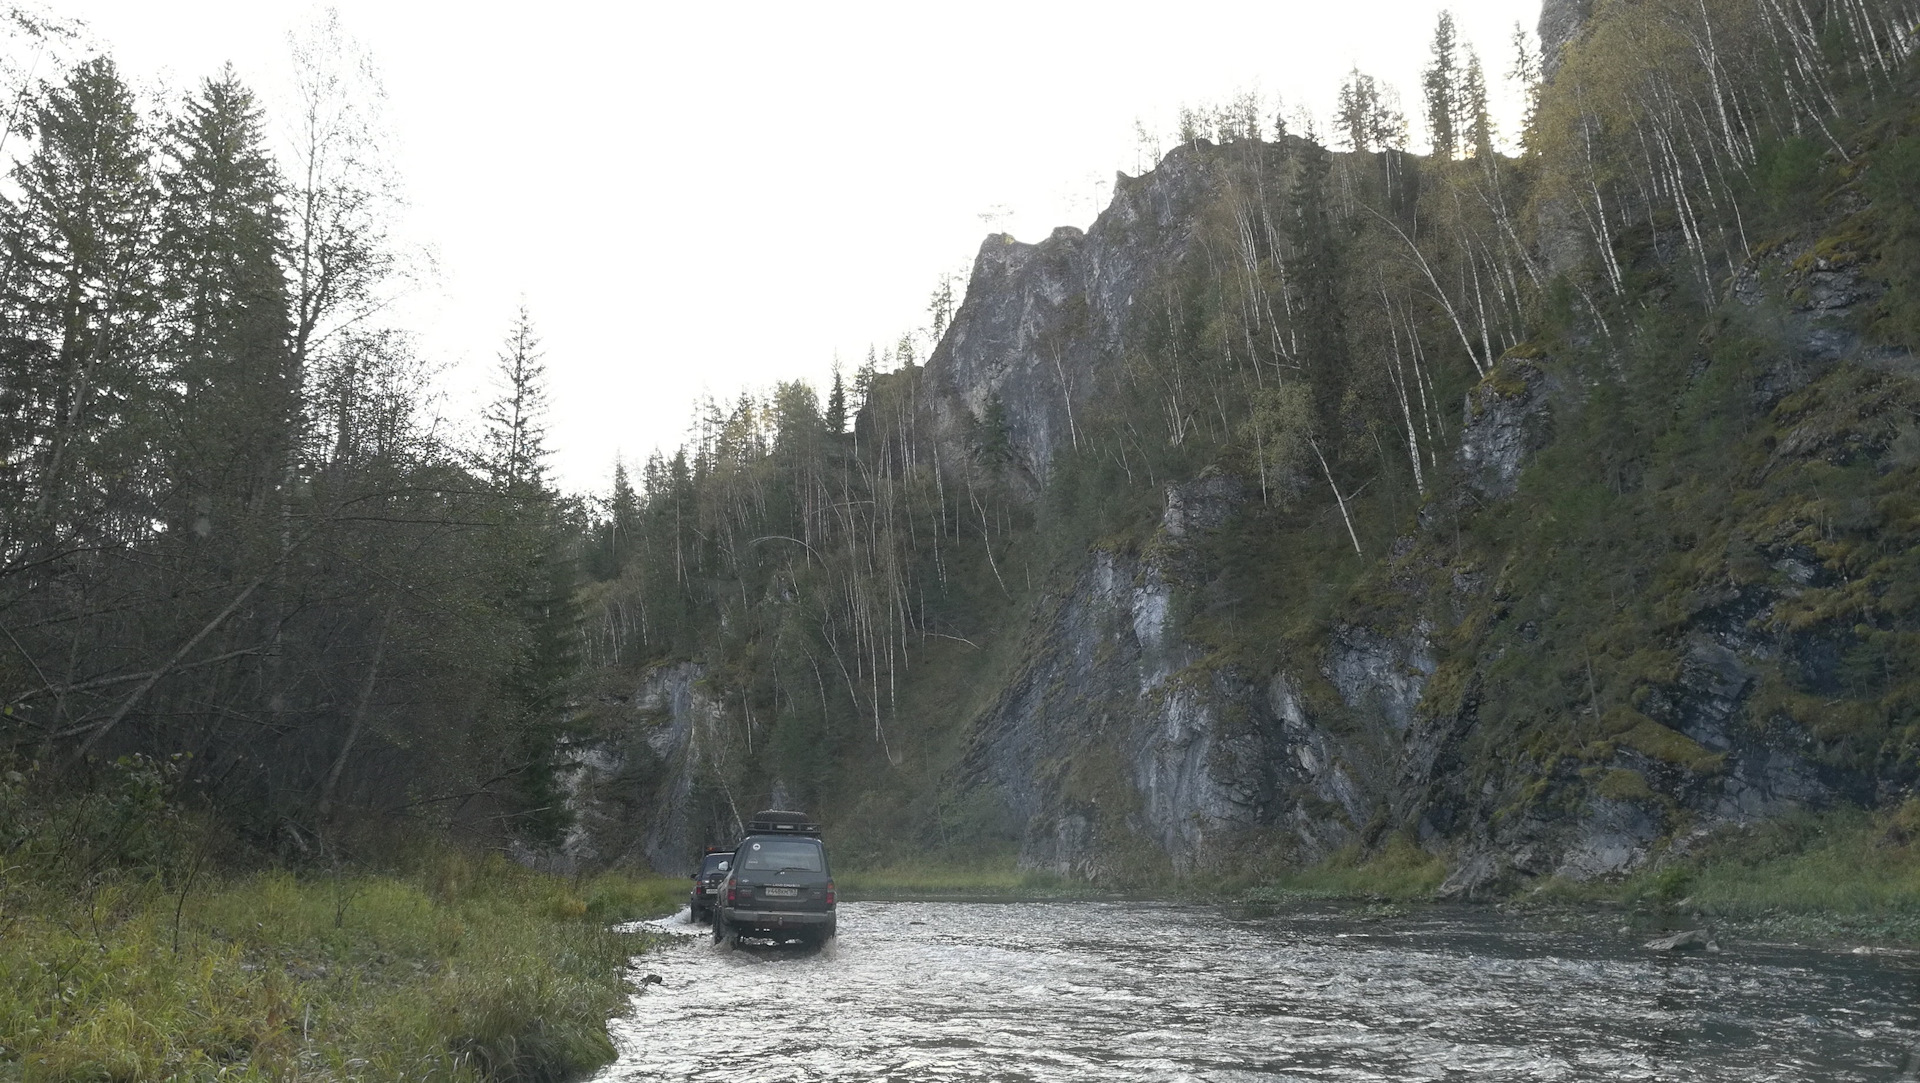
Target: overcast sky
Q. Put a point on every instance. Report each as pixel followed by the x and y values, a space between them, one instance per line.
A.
pixel 705 197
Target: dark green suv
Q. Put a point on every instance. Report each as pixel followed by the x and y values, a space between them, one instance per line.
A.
pixel 780 886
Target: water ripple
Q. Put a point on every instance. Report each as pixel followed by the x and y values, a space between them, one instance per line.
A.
pixel 1052 993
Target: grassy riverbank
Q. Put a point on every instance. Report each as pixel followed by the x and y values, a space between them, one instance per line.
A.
pixel 1847 876
pixel 1838 877
pixel 459 968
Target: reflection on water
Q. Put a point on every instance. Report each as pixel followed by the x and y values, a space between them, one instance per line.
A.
pixel 1113 991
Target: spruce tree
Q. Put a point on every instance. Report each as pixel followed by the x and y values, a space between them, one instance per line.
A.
pixel 1441 85
pixel 515 451
pixel 1322 317
pixel 1475 117
pixel 837 404
pixel 624 513
pixel 1354 109
pixel 537 582
pixel 227 325
pixel 79 305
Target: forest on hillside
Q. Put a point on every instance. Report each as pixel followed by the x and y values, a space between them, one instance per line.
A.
pixel 244 566
pixel 856 579
pixel 1382 506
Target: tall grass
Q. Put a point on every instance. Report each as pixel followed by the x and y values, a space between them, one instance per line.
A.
pixel 463 968
pixel 1843 873
pixel 1397 870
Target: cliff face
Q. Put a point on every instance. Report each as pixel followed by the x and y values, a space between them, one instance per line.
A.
pixel 1308 502
pixel 1560 23
pixel 1120 741
pixel 1042 329
pixel 1109 724
pixel 636 789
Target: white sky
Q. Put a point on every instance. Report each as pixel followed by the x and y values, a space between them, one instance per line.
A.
pixel 709 196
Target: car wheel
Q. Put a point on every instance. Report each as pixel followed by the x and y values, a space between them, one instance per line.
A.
pixel 719 928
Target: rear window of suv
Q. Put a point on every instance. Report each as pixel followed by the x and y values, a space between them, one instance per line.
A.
pixel 715 863
pixel 775 854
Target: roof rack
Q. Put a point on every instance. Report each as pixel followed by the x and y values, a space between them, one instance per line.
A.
pixel 781 822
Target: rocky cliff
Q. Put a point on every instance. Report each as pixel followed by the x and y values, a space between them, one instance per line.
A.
pixel 1251 524
pixel 1042 329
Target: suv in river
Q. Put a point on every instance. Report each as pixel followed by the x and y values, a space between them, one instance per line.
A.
pixel 706 883
pixel 780 886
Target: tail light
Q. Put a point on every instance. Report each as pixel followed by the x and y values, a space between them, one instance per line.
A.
pixel 733 894
pixel 829 892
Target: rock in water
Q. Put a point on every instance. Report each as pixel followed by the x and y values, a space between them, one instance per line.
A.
pixel 1691 940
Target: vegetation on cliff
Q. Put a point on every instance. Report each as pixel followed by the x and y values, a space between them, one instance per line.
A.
pixel 266 626
pixel 1686 303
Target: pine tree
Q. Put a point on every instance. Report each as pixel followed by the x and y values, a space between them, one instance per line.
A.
pixel 863 378
pixel 515 448
pixel 79 303
pixel 1526 73
pixel 1441 84
pixel 1475 121
pixel 227 324
pixel 622 526
pixel 1365 115
pixel 1322 318
pixel 940 309
pixel 837 404
pixel 1354 109
pixel 536 580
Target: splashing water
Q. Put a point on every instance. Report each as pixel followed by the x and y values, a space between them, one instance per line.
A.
pixel 1140 991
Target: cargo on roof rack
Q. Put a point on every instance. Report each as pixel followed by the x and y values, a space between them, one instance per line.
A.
pixel 781 822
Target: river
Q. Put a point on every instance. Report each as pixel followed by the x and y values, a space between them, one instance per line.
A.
pixel 1105 991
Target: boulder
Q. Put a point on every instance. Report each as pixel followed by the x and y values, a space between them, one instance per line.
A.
pixel 1690 940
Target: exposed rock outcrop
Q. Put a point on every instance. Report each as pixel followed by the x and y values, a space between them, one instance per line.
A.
pixel 632 786
pixel 1506 419
pixel 1040 332
pixel 1108 728
pixel 1560 23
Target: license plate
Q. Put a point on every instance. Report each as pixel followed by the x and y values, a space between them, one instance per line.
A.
pixel 780 892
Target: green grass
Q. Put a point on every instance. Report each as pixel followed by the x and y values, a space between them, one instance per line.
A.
pixel 462 969
pixel 1836 876
pixel 1399 870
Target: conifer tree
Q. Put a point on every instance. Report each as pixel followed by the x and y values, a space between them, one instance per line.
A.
pixel 515 448
pixel 1321 315
pixel 227 325
pixel 1440 82
pixel 940 309
pixel 836 419
pixel 536 579
pixel 1525 72
pixel 622 525
pixel 1476 121
pixel 1365 116
pixel 863 378
pixel 1353 110
pixel 79 300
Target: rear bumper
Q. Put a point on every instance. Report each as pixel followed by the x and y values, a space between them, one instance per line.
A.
pixel 776 920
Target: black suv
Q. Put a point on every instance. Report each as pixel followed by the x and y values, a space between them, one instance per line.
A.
pixel 706 883
pixel 780 886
